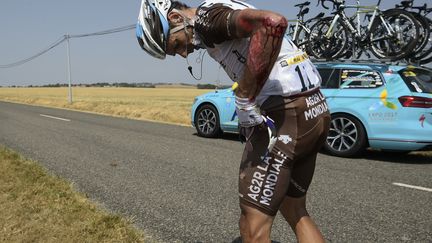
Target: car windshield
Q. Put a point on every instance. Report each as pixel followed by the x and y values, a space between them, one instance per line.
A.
pixel 418 79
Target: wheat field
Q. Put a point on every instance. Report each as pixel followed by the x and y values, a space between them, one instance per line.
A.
pixel 165 104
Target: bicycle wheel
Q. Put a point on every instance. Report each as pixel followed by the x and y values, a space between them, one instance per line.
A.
pixel 423 39
pixel 400 42
pixel 321 46
pixel 426 54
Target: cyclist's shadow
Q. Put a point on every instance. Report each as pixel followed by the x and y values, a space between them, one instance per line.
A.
pixel 224 136
pixel 239 240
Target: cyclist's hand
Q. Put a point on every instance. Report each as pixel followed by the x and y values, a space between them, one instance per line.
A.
pixel 249 117
pixel 267 123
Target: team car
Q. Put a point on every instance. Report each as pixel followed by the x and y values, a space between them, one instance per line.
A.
pixel 376 105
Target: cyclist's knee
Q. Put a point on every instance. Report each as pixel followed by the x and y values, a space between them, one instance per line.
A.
pixel 255 226
pixel 255 236
pixel 293 209
pixel 295 203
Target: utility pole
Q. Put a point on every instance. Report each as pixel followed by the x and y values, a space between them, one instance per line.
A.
pixel 69 69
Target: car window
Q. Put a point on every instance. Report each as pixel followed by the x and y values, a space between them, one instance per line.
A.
pixel 330 78
pixel 355 78
pixel 417 79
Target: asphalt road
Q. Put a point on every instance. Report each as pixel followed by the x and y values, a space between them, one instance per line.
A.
pixel 179 187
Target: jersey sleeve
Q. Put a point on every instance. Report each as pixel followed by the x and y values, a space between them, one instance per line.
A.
pixel 215 24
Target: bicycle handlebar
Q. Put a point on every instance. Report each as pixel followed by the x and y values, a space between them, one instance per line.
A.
pixel 426 9
pixel 322 3
pixel 301 5
pixel 423 8
pixel 336 3
pixel 409 4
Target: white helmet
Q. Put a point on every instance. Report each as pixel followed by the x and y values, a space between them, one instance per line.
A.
pixel 152 28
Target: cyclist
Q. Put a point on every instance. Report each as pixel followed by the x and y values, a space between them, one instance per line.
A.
pixel 282 114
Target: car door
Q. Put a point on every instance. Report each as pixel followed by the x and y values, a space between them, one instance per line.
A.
pixel 360 94
pixel 365 95
pixel 228 116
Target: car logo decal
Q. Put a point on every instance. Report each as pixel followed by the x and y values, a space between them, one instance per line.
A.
pixel 383 102
pixel 422 119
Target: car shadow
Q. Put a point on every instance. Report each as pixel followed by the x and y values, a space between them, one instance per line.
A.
pixel 236 240
pixel 224 136
pixel 385 156
pixel 230 136
pixel 398 157
pixel 239 240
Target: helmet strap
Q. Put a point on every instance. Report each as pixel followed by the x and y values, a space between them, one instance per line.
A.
pixel 177 29
pixel 186 22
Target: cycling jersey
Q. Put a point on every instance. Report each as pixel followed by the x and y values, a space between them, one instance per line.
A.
pixel 292 72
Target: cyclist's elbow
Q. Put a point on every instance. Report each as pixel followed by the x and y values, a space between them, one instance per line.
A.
pixel 250 21
pixel 277 23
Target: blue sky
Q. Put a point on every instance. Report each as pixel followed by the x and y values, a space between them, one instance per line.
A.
pixel 28 27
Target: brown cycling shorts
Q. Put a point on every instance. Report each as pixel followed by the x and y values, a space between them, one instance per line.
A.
pixel 302 124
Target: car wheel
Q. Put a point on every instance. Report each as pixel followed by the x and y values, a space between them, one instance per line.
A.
pixel 207 121
pixel 346 137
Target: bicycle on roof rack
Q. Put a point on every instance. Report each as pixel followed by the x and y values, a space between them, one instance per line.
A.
pixel 390 34
pixel 299 31
pixel 422 53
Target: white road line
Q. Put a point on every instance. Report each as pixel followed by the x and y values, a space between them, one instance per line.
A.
pixel 413 187
pixel 53 117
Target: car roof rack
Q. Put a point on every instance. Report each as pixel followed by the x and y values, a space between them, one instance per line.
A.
pixel 377 61
pixel 368 61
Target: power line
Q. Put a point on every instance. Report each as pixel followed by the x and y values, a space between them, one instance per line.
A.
pixel 65 37
pixel 58 42
pixel 105 32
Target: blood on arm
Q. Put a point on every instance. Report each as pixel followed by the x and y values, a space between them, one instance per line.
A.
pixel 266 30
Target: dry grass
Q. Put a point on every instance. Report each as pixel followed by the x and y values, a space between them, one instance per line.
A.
pixel 170 104
pixel 37 207
pixel 427 154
